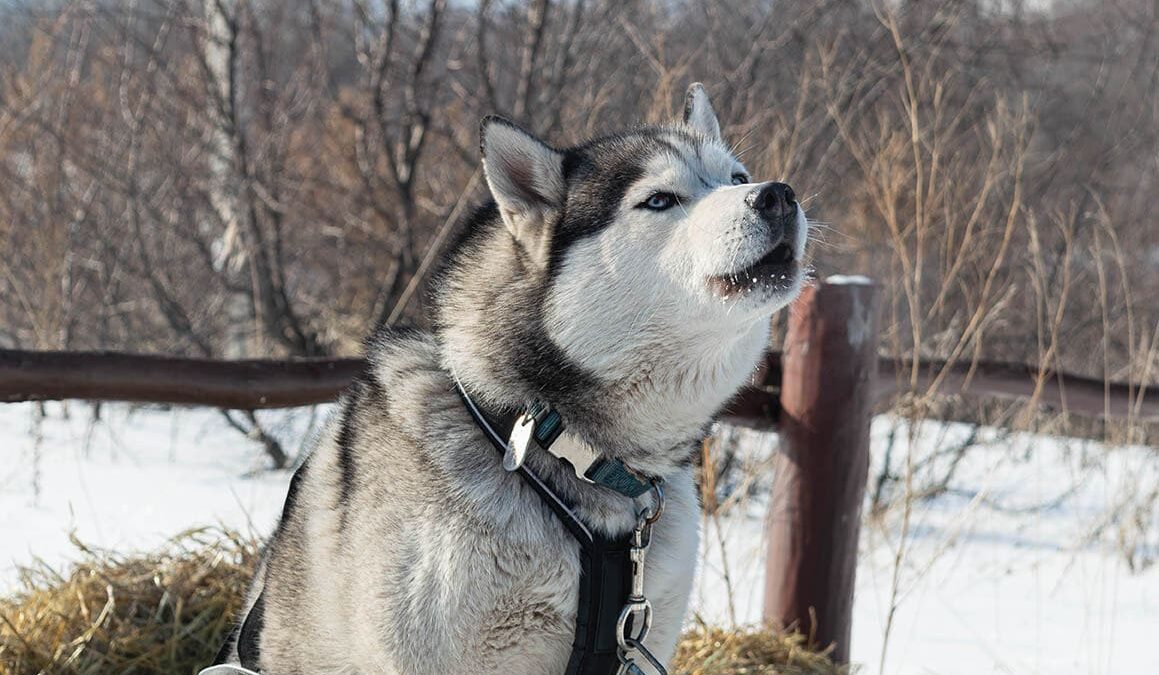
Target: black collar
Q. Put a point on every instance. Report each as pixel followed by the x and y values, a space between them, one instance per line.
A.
pixel 512 433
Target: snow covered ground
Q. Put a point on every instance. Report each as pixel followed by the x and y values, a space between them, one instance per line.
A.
pixel 131 481
pixel 1018 568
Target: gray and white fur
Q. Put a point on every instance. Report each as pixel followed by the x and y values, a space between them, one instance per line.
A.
pixel 629 281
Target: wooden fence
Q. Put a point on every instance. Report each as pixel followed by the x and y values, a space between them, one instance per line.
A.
pixel 820 394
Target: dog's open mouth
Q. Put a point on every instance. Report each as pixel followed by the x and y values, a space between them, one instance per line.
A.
pixel 777 269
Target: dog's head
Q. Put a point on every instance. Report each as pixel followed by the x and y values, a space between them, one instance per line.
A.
pixel 643 266
pixel 664 222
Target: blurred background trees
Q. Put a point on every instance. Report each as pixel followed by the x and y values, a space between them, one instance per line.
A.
pixel 256 178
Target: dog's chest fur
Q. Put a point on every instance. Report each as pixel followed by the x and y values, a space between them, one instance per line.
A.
pixel 408 549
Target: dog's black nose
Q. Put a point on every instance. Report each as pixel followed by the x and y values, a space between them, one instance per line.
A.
pixel 774 201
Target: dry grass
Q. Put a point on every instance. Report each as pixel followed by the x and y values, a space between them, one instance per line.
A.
pixel 716 651
pixel 167 612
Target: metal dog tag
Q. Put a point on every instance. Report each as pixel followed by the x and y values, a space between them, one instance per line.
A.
pixel 520 440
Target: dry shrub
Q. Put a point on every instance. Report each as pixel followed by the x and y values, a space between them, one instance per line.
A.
pixel 168 612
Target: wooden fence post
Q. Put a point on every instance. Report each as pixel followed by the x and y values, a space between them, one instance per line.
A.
pixel 820 470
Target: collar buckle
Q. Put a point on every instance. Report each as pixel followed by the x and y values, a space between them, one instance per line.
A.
pixel 580 457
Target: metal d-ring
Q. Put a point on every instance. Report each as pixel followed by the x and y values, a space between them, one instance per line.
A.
pixel 658 499
pixel 634 608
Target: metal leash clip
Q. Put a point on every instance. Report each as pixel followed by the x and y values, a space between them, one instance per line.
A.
pixel 638 610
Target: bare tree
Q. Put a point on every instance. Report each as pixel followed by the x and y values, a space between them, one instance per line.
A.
pixel 245 177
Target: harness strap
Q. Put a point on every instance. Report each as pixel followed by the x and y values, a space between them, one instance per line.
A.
pixel 605 566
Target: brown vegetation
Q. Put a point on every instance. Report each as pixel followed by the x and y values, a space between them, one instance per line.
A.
pixel 164 612
pixel 253 178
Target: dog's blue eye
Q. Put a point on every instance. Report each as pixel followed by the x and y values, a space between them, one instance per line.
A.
pixel 739 179
pixel 661 201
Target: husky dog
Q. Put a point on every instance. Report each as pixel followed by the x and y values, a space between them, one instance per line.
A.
pixel 628 281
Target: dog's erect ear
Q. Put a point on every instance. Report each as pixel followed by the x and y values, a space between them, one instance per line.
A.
pixel 526 179
pixel 698 112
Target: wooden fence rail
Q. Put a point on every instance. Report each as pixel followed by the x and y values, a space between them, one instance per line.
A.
pixel 256 384
pixel 241 385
